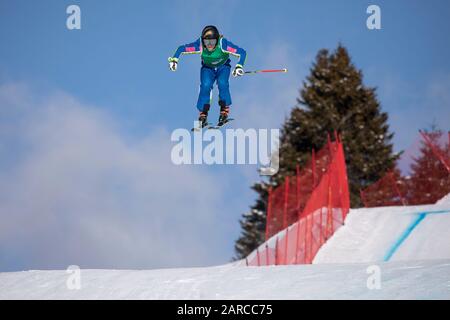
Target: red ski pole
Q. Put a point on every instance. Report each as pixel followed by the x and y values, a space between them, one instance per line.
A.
pixel 267 70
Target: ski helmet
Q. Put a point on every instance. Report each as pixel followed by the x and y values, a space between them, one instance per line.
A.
pixel 215 33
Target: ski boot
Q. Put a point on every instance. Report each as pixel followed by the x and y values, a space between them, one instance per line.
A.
pixel 224 110
pixel 202 118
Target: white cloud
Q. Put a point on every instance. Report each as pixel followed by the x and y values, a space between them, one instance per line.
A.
pixel 79 192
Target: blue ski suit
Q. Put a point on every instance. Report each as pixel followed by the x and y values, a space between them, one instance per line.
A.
pixel 215 67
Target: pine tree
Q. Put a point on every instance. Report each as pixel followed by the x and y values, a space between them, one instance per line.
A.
pixel 430 180
pixel 333 97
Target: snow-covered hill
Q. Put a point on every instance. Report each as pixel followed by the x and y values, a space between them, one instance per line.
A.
pixel 407 280
pixel 391 234
pixel 408 245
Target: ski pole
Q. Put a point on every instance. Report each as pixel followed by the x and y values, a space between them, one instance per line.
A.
pixel 267 70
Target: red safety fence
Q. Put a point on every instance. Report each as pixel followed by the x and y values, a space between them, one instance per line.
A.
pixel 440 151
pixel 425 180
pixel 287 201
pixel 305 210
pixel 388 191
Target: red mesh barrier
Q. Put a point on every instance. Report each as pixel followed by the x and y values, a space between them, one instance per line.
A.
pixel 425 178
pixel 440 150
pixel 386 192
pixel 305 210
pixel 288 201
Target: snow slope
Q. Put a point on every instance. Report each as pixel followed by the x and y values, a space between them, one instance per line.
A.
pixel 391 234
pixel 405 280
pixel 410 245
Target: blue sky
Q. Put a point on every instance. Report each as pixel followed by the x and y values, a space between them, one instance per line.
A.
pixel 111 78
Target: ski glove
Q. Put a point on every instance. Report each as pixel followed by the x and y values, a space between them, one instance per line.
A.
pixel 238 71
pixel 173 63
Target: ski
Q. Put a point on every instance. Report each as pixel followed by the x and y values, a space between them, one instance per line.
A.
pixel 206 126
pixel 217 126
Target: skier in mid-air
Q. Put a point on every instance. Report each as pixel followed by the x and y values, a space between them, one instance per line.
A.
pixel 215 67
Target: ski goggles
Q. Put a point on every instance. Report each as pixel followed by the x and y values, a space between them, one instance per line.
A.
pixel 209 42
